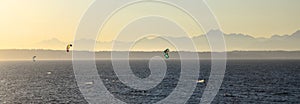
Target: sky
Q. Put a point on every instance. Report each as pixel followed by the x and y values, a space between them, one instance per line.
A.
pixel 26 23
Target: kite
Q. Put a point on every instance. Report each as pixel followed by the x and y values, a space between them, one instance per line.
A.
pixel 33 58
pixel 166 53
pixel 68 47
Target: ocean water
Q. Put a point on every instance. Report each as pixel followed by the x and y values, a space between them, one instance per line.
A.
pixel 246 81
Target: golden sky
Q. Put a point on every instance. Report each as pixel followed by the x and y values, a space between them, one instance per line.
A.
pixel 24 23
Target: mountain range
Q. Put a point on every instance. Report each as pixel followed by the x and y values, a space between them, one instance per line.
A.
pixel 233 42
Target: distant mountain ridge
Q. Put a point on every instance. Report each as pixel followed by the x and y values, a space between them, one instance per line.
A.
pixel 233 42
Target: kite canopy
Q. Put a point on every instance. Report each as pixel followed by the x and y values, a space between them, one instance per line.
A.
pixel 68 47
pixel 33 58
pixel 166 53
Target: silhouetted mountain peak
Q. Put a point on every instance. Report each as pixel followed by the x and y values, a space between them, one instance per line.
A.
pixel 296 34
pixel 214 31
pixel 51 41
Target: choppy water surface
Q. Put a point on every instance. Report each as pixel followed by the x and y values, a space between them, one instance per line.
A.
pixel 252 81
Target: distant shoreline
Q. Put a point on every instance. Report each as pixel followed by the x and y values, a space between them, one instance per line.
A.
pixel 153 51
pixel 26 54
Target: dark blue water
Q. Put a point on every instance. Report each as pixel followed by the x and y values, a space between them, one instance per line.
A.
pixel 246 81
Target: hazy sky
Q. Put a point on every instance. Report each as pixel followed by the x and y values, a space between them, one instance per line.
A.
pixel 24 23
pixel 258 18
